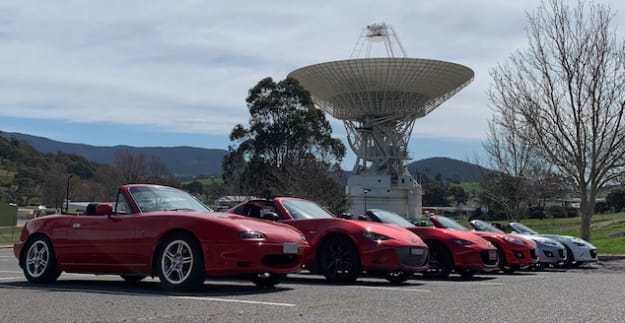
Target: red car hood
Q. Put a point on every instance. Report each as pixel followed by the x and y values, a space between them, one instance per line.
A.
pixel 529 243
pixel 272 230
pixel 457 234
pixel 357 227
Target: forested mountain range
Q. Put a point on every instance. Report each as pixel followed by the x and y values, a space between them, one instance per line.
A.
pixel 182 161
pixel 193 162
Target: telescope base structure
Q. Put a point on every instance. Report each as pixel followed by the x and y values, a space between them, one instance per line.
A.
pixel 400 194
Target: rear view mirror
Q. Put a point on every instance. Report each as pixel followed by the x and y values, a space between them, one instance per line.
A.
pixel 272 216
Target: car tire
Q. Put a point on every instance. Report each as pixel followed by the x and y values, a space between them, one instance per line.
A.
pixel 467 274
pixel 180 263
pixel 39 261
pixel 570 260
pixel 339 260
pixel 441 262
pixel 398 277
pixel 268 280
pixel 502 262
pixel 133 279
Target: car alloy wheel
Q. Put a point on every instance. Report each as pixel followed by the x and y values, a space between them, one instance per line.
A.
pixel 40 262
pixel 339 260
pixel 181 265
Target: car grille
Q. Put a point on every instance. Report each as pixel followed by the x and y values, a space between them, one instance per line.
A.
pixel 485 260
pixel 407 259
pixel 593 253
pixel 561 253
pixel 280 260
pixel 533 254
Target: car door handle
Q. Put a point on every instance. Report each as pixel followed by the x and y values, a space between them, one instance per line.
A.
pixel 76 225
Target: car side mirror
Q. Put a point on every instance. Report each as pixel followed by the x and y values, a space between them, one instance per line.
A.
pixel 272 216
pixel 104 209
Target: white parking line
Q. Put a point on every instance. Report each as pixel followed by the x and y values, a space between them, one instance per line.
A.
pixel 11 278
pixel 213 299
pixel 456 283
pixel 398 289
pixel 10 272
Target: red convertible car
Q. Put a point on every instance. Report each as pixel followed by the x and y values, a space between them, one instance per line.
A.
pixel 514 252
pixel 159 231
pixel 450 250
pixel 342 249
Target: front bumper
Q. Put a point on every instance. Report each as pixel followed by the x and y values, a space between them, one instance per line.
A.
pixel 521 257
pixel 401 258
pixel 252 257
pixel 475 259
pixel 551 255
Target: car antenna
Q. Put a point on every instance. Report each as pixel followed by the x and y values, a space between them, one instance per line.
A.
pixel 67 193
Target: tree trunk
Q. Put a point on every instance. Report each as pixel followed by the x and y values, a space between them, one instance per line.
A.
pixel 586 212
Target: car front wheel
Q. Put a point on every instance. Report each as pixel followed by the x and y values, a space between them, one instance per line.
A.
pixel 441 262
pixel 180 263
pixel 39 261
pixel 398 277
pixel 267 280
pixel 339 260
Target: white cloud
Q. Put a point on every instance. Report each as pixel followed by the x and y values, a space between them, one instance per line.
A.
pixel 186 66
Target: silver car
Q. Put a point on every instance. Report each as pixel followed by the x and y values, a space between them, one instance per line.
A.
pixel 579 251
pixel 550 251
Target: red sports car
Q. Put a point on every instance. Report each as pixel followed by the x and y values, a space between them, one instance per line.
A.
pixel 514 252
pixel 159 231
pixel 450 250
pixel 342 249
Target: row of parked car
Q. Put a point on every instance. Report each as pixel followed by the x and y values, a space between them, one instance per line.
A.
pixel 163 232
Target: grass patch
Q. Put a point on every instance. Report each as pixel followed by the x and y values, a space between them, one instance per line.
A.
pixel 9 235
pixel 607 231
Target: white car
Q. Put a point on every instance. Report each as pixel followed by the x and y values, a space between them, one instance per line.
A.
pixel 579 251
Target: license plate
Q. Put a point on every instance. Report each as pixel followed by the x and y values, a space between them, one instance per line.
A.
pixel 289 248
pixel 492 254
pixel 416 252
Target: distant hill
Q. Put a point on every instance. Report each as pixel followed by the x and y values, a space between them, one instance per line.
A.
pixel 191 161
pixel 182 161
pixel 448 168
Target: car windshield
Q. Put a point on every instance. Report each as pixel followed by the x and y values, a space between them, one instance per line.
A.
pixel 480 225
pixel 520 228
pixel 391 218
pixel 303 209
pixel 448 223
pixel 153 198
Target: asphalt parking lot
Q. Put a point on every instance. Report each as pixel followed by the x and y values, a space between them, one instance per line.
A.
pixel 592 293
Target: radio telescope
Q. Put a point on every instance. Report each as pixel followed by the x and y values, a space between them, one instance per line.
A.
pixel 378 99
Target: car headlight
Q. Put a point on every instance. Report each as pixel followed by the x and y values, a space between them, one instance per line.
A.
pixel 513 240
pixel 302 237
pixel 579 242
pixel 463 242
pixel 548 243
pixel 375 236
pixel 251 235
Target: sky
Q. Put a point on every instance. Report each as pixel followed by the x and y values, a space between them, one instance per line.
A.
pixel 176 73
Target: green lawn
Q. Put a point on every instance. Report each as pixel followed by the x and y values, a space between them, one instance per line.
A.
pixel 607 231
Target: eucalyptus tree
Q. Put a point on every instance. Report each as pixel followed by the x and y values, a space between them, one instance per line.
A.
pixel 287 148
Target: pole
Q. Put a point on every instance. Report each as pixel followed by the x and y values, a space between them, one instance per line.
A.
pixel 67 193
